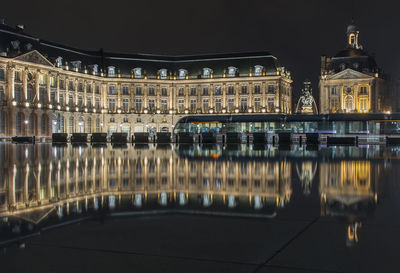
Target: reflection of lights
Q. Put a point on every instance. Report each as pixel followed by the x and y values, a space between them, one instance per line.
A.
pixel 182 199
pixel 163 199
pixel 257 202
pixel 231 201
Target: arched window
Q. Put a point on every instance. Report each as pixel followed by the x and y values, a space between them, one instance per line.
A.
pixel 81 125
pixel 348 104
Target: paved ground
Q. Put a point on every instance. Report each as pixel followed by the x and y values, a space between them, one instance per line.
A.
pixel 186 243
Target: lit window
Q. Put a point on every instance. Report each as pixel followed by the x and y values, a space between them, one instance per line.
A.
pixel 218 90
pixel 111 90
pixel 181 105
pixel 231 104
pixel 218 105
pixel 243 104
pixel 111 104
pixel 193 105
pixel 205 105
pixel 125 105
pixel 138 105
pixel 257 104
pixel 125 90
pixel 152 105
pixel 151 91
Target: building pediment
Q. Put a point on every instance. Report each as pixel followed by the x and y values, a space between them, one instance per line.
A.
pixel 348 74
pixel 34 57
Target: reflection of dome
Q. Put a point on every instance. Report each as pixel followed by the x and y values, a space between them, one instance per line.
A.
pixel 352 28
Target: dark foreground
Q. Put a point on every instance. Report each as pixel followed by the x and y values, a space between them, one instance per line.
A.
pixel 199 209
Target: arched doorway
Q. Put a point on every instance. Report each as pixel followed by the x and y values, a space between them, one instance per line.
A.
pixel 81 125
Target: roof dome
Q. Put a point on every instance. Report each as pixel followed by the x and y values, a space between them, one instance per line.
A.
pixel 352 28
pixel 351 52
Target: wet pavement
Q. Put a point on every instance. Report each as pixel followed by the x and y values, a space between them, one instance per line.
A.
pixel 171 208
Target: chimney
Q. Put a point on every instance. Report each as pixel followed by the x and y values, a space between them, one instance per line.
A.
pixel 2 21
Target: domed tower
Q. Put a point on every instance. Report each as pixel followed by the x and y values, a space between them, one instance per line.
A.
pixel 352 36
pixel 351 81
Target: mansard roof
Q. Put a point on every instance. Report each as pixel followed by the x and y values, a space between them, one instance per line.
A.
pixel 14 42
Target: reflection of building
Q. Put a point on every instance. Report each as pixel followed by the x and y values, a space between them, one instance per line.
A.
pixel 45 87
pixel 348 189
pixel 42 177
pixel 351 80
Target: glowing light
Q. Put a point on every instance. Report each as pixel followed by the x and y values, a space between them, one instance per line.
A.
pixel 39 105
pixel 14 103
pixel 27 104
pixel 119 111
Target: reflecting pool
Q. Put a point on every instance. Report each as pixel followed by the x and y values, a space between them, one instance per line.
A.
pixel 339 204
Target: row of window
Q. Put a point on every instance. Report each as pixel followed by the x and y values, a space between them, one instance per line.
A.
pixel 231 71
pixel 193 106
pixel 192 91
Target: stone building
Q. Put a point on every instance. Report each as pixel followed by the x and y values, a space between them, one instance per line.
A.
pixel 46 87
pixel 351 82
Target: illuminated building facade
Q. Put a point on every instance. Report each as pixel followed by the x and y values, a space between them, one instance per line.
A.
pixel 46 87
pixel 351 82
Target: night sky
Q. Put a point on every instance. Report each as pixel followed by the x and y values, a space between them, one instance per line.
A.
pixel 297 32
